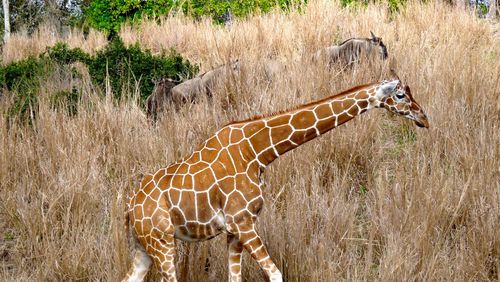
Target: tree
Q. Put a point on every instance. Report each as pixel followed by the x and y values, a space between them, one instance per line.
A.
pixel 6 19
pixel 110 15
pixel 493 10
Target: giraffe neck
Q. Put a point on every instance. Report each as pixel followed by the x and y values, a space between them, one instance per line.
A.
pixel 271 137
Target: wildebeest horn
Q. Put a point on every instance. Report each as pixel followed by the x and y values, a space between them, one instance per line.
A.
pixel 373 35
pixel 174 80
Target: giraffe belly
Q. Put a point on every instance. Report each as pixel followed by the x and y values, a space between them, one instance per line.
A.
pixel 198 224
pixel 193 231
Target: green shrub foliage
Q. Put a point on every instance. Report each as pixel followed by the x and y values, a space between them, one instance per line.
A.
pixel 239 8
pixel 126 68
pixel 62 54
pixel 21 74
pixel 66 101
pixel 109 15
pixel 22 79
pixel 393 5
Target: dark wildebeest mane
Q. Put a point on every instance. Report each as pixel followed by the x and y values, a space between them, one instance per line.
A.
pixel 351 50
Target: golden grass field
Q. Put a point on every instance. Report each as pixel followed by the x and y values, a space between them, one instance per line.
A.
pixel 376 199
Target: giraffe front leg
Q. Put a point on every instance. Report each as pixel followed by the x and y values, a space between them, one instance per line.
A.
pixel 254 245
pixel 235 249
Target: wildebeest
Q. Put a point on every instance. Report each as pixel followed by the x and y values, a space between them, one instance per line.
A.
pixel 170 91
pixel 348 52
pixel 352 50
pixel 203 84
pixel 161 96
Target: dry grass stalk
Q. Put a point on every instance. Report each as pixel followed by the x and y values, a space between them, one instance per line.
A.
pixel 375 199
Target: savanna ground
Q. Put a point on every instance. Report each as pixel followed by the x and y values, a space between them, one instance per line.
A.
pixel 376 199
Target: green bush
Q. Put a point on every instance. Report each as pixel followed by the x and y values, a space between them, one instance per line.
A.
pixel 125 67
pixel 354 4
pixel 22 79
pixel 21 74
pixel 62 54
pixel 66 101
pixel 239 8
pixel 128 65
pixel 217 9
pixel 393 5
pixel 109 15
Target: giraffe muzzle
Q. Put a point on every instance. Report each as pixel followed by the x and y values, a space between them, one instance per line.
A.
pixel 421 120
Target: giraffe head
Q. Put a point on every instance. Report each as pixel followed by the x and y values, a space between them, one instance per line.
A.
pixel 396 97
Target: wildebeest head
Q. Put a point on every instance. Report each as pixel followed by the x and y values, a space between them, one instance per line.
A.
pixel 376 43
pixel 161 95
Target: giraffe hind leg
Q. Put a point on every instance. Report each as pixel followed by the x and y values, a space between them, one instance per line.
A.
pixel 235 249
pixel 140 265
pixel 163 257
pixel 156 237
pixel 161 245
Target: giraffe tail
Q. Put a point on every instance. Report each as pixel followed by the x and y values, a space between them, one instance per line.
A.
pixel 126 215
pixel 127 212
pixel 127 222
pixel 131 240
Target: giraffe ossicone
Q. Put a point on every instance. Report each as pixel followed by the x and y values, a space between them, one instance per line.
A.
pixel 217 189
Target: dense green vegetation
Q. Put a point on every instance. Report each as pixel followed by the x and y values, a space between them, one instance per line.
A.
pixel 393 5
pixel 218 9
pixel 124 67
pixel 23 78
pixel 110 15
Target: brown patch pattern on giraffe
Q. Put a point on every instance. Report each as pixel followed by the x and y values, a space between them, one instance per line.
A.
pixel 217 189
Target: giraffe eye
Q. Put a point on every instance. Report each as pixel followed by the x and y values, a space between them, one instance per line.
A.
pixel 400 95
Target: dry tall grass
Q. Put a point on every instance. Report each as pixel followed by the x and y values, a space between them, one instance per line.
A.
pixel 20 46
pixel 376 199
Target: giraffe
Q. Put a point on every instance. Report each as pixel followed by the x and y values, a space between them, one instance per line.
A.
pixel 217 189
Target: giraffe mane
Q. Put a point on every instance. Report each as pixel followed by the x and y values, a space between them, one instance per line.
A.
pixel 317 102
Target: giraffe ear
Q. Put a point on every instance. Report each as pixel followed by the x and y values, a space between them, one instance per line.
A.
pixel 407 90
pixel 394 74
